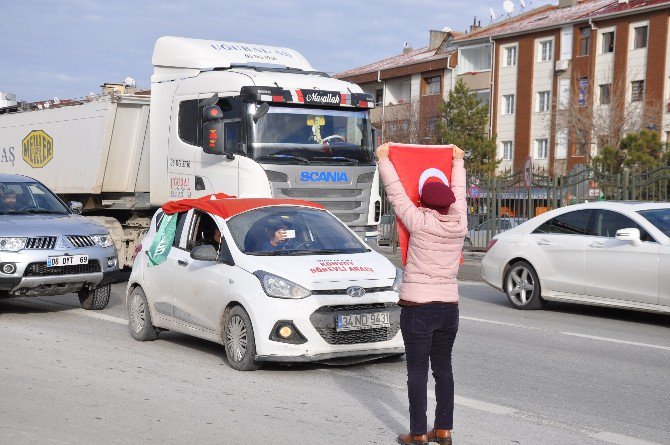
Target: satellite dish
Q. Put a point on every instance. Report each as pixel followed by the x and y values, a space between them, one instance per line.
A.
pixel 492 13
pixel 56 101
pixel 129 82
pixel 47 104
pixel 508 6
pixel 446 29
pixel 522 3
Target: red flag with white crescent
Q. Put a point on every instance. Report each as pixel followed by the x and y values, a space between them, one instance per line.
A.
pixel 417 165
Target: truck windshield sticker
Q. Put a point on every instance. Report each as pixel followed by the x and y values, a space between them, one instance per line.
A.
pixel 37 148
pixel 162 244
pixel 324 176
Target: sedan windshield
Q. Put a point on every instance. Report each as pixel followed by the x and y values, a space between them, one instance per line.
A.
pixel 28 198
pixel 290 230
pixel 308 135
pixel 659 218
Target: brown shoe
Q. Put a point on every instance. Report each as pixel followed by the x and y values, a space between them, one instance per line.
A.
pixel 437 435
pixel 408 439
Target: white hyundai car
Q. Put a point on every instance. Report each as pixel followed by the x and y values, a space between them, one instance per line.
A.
pixel 318 294
pixel 613 254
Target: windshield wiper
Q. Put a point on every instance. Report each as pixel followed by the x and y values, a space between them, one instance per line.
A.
pixel 271 253
pixel 342 159
pixel 44 211
pixel 283 157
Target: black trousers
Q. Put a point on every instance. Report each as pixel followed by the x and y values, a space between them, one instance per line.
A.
pixel 429 332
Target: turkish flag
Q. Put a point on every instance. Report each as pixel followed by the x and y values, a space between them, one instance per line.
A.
pixel 417 165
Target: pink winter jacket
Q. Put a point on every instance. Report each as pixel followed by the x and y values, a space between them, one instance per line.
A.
pixel 435 240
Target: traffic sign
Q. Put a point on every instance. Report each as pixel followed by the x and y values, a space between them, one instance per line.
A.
pixel 474 192
pixel 528 172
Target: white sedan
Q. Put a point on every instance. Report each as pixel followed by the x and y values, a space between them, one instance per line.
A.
pixel 613 254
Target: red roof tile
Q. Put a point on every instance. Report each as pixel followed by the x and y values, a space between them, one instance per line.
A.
pixel 411 58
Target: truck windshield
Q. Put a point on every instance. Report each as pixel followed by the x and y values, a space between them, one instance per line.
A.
pixel 28 198
pixel 308 135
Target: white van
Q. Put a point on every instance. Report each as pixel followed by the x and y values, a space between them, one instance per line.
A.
pixel 271 279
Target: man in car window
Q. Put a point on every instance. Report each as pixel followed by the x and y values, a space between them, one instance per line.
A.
pixel 9 201
pixel 278 238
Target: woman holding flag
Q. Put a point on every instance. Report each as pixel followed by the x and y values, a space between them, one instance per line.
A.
pixel 429 293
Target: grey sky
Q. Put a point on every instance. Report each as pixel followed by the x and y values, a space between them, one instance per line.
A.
pixel 67 48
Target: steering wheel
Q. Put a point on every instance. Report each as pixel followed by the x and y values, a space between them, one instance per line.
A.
pixel 24 208
pixel 304 244
pixel 334 138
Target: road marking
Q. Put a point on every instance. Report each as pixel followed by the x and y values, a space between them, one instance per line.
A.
pixel 73 310
pixel 487 407
pixel 614 340
pixel 98 315
pixel 499 323
pixel 619 439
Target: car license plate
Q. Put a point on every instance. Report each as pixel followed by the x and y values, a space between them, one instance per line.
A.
pixel 66 260
pixel 355 322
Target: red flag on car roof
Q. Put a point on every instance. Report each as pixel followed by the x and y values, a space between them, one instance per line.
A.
pixel 417 165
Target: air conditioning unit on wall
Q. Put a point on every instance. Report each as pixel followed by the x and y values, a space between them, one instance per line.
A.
pixel 561 65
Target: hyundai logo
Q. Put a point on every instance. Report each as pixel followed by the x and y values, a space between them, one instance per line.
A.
pixel 355 291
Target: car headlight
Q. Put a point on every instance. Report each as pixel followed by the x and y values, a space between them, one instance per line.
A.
pixel 279 287
pixel 398 280
pixel 12 244
pixel 103 240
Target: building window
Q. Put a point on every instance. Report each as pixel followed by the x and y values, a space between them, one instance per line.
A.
pixel 508 100
pixel 433 85
pixel 379 96
pixel 546 50
pixel 483 96
pixel 605 94
pixel 640 37
pixel 637 90
pixel 507 150
pixel 543 100
pixel 474 59
pixel 584 41
pixel 608 42
pixel 580 149
pixel 542 147
pixel 510 56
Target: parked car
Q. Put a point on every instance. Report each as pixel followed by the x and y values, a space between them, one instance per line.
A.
pixel 321 295
pixel 47 249
pixel 385 227
pixel 478 237
pixel 613 254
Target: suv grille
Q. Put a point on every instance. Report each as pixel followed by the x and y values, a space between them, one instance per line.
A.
pixel 41 269
pixel 80 241
pixel 324 321
pixel 41 242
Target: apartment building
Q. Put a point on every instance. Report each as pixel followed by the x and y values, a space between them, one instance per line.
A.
pixel 567 79
pixel 409 88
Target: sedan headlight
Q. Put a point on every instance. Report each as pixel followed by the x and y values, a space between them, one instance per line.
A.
pixel 279 287
pixel 12 244
pixel 398 280
pixel 103 240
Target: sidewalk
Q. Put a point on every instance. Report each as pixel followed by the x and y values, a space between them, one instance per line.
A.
pixel 470 269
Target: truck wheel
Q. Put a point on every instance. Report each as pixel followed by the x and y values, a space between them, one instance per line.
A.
pixel 96 298
pixel 139 317
pixel 238 339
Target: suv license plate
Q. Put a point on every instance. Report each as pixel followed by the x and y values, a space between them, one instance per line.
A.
pixel 66 260
pixel 355 322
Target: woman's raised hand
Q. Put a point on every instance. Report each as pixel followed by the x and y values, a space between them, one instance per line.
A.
pixel 382 151
pixel 458 153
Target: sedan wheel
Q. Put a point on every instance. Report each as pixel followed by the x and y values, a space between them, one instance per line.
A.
pixel 139 318
pixel 522 286
pixel 239 340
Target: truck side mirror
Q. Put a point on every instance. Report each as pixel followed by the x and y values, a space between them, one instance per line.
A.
pixel 213 138
pixel 75 207
pixel 376 138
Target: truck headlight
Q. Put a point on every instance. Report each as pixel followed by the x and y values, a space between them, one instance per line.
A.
pixel 398 280
pixel 279 287
pixel 12 244
pixel 103 240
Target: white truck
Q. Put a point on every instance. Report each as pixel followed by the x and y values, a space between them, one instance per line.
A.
pixel 242 119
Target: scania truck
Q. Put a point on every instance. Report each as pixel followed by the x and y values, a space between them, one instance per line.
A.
pixel 243 119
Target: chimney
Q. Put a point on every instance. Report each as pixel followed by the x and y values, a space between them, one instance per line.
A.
pixel 567 3
pixel 475 26
pixel 406 48
pixel 436 38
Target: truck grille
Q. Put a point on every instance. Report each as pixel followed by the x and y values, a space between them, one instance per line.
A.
pixel 41 269
pixel 80 241
pixel 316 193
pixel 41 242
pixel 324 321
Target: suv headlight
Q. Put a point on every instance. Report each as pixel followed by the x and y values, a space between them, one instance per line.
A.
pixel 103 240
pixel 279 287
pixel 12 244
pixel 398 280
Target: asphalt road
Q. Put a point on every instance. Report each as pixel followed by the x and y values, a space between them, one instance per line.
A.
pixel 568 374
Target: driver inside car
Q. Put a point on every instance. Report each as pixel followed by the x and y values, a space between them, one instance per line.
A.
pixel 279 236
pixel 9 201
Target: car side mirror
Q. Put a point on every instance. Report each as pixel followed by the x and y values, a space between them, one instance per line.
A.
pixel 631 235
pixel 205 252
pixel 75 207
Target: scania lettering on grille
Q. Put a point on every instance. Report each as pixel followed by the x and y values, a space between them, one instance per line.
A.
pixel 324 177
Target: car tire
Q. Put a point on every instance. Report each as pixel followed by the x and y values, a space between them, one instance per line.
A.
pixel 238 340
pixel 522 287
pixel 95 299
pixel 139 317
pixel 467 244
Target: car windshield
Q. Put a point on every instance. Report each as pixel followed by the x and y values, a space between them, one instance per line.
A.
pixel 309 135
pixel 291 230
pixel 28 198
pixel 659 218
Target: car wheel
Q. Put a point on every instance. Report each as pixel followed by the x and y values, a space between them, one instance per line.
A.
pixel 522 286
pixel 139 317
pixel 238 339
pixel 467 244
pixel 96 298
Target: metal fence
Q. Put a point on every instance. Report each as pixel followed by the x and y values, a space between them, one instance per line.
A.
pixel 499 203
